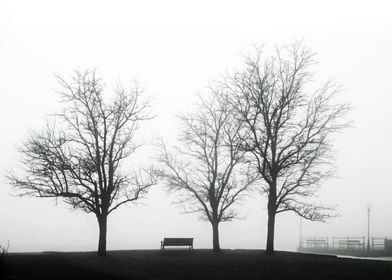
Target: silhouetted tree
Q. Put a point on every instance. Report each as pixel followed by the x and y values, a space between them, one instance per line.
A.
pixel 287 129
pixel 206 169
pixel 80 156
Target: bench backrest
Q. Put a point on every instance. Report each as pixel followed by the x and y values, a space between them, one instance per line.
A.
pixel 349 241
pixel 315 240
pixel 177 241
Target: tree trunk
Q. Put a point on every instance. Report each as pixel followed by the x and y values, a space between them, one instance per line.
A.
pixel 215 237
pixel 271 218
pixel 270 231
pixel 102 222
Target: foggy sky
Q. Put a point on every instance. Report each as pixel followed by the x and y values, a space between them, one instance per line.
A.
pixel 174 49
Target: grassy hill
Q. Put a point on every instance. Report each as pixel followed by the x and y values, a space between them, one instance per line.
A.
pixel 197 264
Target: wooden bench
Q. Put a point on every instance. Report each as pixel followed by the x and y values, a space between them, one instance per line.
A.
pixel 177 242
pixel 350 244
pixel 316 243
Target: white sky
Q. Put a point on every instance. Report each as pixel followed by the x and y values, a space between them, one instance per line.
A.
pixel 174 48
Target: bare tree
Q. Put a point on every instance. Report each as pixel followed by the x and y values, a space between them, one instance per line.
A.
pixel 206 169
pixel 287 132
pixel 80 156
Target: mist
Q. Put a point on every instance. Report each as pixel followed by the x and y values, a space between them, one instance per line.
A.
pixel 174 50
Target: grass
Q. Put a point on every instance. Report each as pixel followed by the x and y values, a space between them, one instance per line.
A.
pixel 197 264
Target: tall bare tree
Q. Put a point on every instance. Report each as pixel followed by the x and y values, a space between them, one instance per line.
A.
pixel 207 170
pixel 287 130
pixel 79 157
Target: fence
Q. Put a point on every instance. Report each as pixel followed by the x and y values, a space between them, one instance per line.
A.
pixel 381 243
pixel 349 245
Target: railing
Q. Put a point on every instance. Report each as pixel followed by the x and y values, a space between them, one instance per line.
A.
pixel 381 243
pixel 349 245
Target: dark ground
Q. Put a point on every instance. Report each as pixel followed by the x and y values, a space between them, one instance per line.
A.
pixel 197 264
